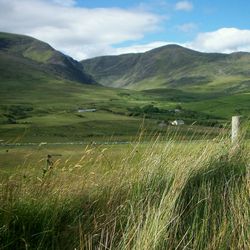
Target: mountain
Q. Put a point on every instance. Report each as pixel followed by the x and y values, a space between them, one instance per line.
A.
pixel 43 90
pixel 171 66
pixel 43 93
pixel 26 55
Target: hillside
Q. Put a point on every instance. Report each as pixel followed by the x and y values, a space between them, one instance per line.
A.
pixel 28 56
pixel 172 66
pixel 43 90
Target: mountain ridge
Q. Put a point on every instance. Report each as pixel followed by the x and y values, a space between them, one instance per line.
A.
pixel 166 66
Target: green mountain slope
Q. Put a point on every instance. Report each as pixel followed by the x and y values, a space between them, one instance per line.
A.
pixel 172 66
pixel 33 56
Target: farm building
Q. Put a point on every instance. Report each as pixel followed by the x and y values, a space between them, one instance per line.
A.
pixel 177 122
pixel 86 110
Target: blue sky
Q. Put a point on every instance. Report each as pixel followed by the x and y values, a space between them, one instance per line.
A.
pixel 89 28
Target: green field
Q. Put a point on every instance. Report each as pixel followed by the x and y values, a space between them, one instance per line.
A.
pixel 46 110
pixel 50 113
pixel 154 195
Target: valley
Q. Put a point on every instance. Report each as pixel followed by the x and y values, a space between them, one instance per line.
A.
pixel 42 91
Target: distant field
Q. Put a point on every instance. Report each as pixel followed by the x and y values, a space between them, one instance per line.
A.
pixel 49 112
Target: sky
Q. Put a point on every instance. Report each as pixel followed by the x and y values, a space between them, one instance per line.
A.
pixel 89 28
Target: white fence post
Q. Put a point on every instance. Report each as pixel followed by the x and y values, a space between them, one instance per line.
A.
pixel 235 128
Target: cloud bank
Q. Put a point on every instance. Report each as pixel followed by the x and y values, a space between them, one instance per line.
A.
pixel 79 32
pixel 224 40
pixel 65 2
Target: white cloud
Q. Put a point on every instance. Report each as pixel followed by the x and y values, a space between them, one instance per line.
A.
pixel 139 48
pixel 224 40
pixel 109 50
pixel 184 5
pixel 74 30
pixel 65 2
pixel 187 27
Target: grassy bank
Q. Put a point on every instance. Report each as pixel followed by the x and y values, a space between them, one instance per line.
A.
pixel 158 195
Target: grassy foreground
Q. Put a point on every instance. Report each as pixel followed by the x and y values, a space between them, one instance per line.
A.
pixel 192 195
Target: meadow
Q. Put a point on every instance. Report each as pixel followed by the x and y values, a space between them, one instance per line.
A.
pixel 159 194
pixel 122 177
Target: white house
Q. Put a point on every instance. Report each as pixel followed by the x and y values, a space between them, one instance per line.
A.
pixel 86 110
pixel 177 122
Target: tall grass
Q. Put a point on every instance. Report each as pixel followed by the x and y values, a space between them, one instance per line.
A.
pixel 190 195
